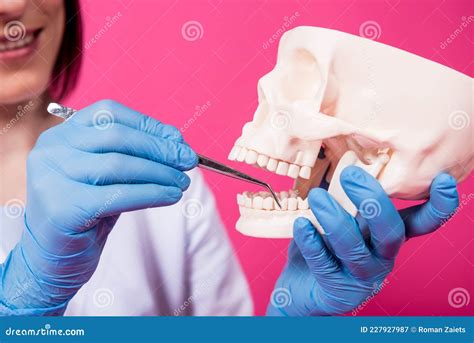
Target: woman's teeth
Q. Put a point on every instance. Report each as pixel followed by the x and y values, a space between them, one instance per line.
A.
pixel 289 201
pixel 12 45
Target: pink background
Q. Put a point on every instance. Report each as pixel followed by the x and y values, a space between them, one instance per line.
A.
pixel 144 61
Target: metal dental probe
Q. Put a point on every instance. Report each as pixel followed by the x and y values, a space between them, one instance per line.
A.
pixel 203 161
pixel 207 163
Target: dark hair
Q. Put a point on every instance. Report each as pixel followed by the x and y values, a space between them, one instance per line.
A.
pixel 68 62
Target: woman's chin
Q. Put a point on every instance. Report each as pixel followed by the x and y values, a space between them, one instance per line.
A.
pixel 19 92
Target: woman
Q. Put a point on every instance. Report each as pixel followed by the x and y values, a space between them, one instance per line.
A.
pixel 186 267
pixel 99 235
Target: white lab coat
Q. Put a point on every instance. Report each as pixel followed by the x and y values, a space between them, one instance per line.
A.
pixel 174 260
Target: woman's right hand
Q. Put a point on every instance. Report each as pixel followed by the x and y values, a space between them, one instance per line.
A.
pixel 105 160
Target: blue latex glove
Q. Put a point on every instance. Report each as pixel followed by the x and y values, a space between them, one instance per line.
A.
pixel 334 274
pixel 81 175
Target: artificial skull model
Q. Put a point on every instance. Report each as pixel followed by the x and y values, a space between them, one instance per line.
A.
pixel 400 116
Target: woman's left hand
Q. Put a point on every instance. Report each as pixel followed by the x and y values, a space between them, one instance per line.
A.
pixel 334 274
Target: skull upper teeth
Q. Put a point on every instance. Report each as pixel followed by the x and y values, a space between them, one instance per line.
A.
pixel 293 170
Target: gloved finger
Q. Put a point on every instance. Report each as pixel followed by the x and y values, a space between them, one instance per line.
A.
pixel 425 218
pixel 387 232
pixel 341 233
pixel 363 227
pixel 294 253
pixel 106 113
pixel 295 259
pixel 69 243
pixel 115 168
pixel 115 199
pixel 318 258
pixel 124 140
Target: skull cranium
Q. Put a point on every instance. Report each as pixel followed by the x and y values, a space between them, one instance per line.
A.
pixel 347 93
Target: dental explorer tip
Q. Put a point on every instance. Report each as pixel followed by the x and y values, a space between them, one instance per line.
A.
pixel 273 195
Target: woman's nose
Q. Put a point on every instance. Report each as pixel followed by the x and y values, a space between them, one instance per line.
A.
pixel 12 9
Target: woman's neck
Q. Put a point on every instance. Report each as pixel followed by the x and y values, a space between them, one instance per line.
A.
pixel 22 123
pixel 20 126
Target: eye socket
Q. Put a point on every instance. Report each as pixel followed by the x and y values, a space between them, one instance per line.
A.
pixel 303 77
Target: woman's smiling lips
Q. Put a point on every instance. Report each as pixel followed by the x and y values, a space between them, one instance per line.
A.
pixel 19 46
